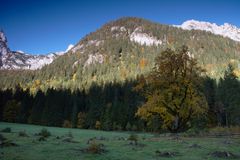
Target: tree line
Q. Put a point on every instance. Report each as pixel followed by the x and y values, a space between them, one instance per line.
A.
pixel 111 107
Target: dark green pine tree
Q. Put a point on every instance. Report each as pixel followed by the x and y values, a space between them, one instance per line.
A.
pixel 228 96
pixel 94 106
pixel 210 87
pixel 4 97
pixel 37 108
pixel 106 119
pixel 26 104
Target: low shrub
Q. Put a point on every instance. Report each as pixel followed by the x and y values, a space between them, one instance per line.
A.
pixel 133 138
pixel 95 148
pixel 4 142
pixel 223 154
pixel 225 130
pixel 2 138
pixel 44 133
pixel 41 139
pixel 69 138
pixel 67 124
pixel 7 143
pixel 193 132
pixel 216 131
pixel 7 130
pixel 22 134
pixel 166 154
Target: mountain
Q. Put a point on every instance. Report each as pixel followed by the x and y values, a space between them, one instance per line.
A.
pixel 19 60
pixel 226 30
pixel 122 50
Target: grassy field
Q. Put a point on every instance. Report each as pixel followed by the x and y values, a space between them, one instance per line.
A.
pixel 116 145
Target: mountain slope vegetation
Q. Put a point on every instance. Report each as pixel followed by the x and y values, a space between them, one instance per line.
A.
pixel 124 49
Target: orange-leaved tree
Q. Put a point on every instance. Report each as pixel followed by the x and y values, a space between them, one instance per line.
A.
pixel 172 90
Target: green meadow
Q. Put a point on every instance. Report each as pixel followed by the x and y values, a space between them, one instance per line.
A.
pixel 74 144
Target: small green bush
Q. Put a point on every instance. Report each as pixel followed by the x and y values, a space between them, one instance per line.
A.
pixel 191 133
pixel 95 148
pixel 166 154
pixel 2 138
pixel 225 130
pixel 133 138
pixel 22 134
pixel 44 133
pixel 41 139
pixel 7 130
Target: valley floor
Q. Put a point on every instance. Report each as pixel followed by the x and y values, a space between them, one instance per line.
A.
pixel 72 144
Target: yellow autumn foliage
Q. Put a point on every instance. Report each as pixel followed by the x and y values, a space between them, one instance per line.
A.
pixel 172 91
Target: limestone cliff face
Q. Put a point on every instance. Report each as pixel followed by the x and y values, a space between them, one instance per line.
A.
pixel 19 60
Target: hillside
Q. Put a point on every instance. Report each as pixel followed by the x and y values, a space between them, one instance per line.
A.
pixel 124 49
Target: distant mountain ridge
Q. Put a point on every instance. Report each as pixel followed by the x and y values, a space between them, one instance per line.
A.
pixel 122 50
pixel 20 60
pixel 226 30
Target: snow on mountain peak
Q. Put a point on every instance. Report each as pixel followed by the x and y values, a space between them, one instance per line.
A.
pixel 70 46
pixel 226 30
pixel 20 60
pixel 20 51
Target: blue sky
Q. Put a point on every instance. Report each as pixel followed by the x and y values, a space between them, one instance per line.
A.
pixel 43 26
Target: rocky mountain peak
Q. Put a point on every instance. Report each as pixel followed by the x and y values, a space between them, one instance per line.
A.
pixel 3 44
pixel 2 37
pixel 20 60
pixel 225 30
